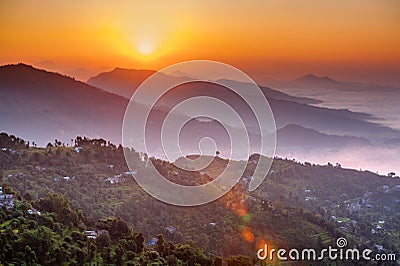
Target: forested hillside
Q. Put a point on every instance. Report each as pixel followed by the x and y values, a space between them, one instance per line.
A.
pixel 59 235
pixel 297 206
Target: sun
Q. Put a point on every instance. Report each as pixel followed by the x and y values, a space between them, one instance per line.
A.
pixel 145 47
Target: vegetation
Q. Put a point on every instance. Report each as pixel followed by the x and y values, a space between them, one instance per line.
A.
pixel 57 236
pixel 88 187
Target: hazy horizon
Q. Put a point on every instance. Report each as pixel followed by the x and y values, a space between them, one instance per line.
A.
pixel 281 40
pixel 376 158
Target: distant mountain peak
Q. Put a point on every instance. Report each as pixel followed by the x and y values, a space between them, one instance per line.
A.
pixel 312 77
pixel 121 69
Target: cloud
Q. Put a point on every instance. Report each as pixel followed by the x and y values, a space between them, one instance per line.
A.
pixel 375 159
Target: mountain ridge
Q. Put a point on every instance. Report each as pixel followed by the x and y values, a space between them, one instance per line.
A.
pixel 124 82
pixel 293 135
pixel 41 105
pixel 313 77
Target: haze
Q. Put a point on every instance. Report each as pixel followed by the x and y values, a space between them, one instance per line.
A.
pixel 279 39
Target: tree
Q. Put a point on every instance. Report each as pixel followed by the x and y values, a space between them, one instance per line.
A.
pixel 56 203
pixel 239 261
pixel 171 260
pixel 160 245
pixel 30 255
pixel 119 253
pixel 7 189
pixel 103 241
pixel 139 239
pixel 218 261
pixel 116 227
pixel 91 250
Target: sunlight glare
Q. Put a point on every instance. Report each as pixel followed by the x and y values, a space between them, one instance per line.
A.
pixel 145 47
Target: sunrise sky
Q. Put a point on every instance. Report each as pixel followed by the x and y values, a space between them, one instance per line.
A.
pixel 348 40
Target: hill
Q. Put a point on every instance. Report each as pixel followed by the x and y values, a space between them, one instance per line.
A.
pixel 379 100
pixel 298 205
pixel 316 81
pixel 287 109
pixel 42 105
pixel 125 81
pixel 297 136
pixel 59 235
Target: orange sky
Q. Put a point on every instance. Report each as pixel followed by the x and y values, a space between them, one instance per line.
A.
pixel 356 40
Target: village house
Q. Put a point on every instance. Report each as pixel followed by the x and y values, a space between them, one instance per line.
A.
pixel 170 229
pixel 308 198
pixel 90 234
pixel 116 179
pixel 65 178
pixel 132 173
pixel 34 211
pixel 386 188
pixel 6 199
pixel 152 242
pixel 354 207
